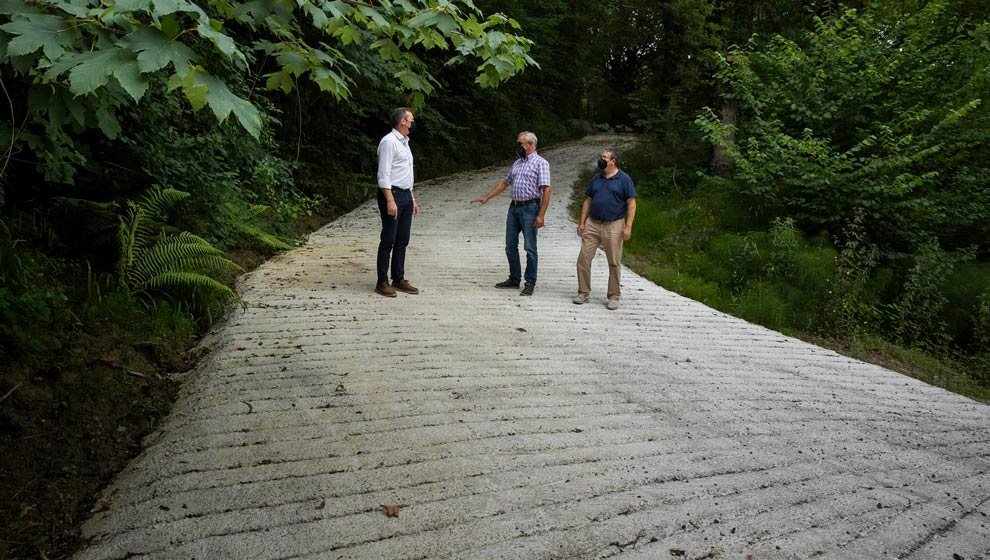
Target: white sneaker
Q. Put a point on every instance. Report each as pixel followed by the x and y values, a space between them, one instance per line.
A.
pixel 612 304
pixel 580 298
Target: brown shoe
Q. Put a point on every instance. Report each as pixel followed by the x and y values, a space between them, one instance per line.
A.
pixel 406 287
pixel 384 289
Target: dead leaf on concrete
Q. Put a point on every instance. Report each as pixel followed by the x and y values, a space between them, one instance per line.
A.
pixel 520 329
pixel 677 552
pixel 391 511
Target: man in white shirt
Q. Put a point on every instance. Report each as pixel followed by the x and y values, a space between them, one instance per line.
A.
pixel 396 203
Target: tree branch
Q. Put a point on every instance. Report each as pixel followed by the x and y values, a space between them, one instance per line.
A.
pixel 13 129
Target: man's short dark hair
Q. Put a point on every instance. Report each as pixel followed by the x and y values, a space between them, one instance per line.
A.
pixel 616 156
pixel 398 115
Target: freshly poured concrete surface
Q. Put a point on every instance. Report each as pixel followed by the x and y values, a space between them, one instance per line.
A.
pixel 532 428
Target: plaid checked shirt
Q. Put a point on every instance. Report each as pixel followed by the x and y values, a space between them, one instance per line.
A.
pixel 527 175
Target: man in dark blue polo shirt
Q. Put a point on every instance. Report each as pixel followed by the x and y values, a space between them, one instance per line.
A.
pixel 606 220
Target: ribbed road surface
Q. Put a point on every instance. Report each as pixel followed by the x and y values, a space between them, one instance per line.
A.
pixel 532 428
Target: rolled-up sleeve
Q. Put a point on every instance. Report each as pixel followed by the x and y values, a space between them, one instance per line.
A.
pixel 386 153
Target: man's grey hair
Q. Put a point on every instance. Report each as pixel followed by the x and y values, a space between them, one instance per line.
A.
pixel 399 114
pixel 527 136
pixel 616 156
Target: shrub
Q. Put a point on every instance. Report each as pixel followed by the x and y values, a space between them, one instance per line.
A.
pixel 917 314
pixel 981 326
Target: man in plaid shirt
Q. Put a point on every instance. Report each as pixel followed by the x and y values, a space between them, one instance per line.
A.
pixel 529 178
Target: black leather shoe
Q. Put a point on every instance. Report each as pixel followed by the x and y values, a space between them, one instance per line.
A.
pixel 510 283
pixel 527 290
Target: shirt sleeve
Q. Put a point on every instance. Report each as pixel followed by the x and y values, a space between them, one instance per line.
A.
pixel 508 176
pixel 630 189
pixel 386 153
pixel 544 174
pixel 590 191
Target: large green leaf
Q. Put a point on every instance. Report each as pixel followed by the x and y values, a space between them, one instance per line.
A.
pixel 223 42
pixel 127 6
pixel 51 34
pixel 223 102
pixel 91 70
pixel 128 75
pixel 155 51
pixel 108 123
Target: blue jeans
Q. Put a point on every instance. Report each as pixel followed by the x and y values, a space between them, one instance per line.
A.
pixel 395 235
pixel 522 219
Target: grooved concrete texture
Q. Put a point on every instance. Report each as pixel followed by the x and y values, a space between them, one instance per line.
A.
pixel 532 428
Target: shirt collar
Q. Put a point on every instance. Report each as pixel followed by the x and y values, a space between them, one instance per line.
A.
pixel 403 139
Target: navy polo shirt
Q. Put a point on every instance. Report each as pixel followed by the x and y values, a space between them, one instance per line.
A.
pixel 609 196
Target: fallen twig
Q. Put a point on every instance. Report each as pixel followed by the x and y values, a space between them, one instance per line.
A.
pixel 10 392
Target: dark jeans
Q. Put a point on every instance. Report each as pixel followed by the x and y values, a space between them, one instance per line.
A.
pixel 395 235
pixel 522 219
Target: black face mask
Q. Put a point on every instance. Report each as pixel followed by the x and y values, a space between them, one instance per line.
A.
pixel 412 126
pixel 520 150
pixel 602 164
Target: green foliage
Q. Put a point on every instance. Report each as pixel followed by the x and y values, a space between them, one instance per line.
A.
pixel 784 241
pixel 709 244
pixel 82 63
pixel 916 315
pixel 873 109
pixel 850 307
pixel 179 264
pixel 26 301
pixel 981 324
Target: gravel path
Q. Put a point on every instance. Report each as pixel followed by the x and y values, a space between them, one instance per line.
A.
pixel 532 428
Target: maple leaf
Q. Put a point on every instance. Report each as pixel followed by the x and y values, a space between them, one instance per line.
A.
pixel 391 511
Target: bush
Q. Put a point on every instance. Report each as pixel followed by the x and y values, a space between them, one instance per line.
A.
pixel 981 327
pixel 916 316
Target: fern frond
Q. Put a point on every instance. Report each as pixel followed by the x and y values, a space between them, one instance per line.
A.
pixel 267 239
pixel 209 264
pixel 258 209
pixel 158 201
pixel 171 281
pixel 183 252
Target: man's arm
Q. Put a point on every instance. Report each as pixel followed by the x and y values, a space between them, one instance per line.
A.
pixel 544 204
pixel 585 210
pixel 630 216
pixel 386 153
pixel 494 192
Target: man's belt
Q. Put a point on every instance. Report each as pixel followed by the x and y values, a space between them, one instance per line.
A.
pixel 525 202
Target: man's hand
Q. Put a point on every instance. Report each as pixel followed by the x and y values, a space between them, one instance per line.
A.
pixel 539 222
pixel 415 208
pixel 580 230
pixel 482 201
pixel 626 234
pixel 393 209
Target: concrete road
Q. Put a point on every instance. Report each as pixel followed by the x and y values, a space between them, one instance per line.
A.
pixel 531 428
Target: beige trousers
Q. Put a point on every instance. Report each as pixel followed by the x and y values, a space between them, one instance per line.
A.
pixel 607 235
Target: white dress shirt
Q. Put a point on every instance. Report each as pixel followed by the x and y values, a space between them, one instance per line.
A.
pixel 395 162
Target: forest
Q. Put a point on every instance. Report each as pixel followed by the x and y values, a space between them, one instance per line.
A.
pixel 817 167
